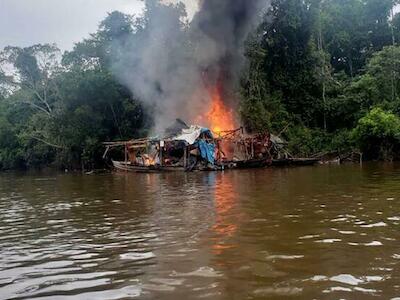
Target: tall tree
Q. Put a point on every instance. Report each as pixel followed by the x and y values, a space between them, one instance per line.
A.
pixel 32 70
pixel 354 29
pixel 289 61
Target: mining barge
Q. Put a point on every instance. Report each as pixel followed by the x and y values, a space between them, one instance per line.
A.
pixel 195 148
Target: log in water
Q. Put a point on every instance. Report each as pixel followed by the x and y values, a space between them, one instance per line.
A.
pixel 309 233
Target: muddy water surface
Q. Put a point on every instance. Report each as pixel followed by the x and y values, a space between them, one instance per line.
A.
pixel 306 233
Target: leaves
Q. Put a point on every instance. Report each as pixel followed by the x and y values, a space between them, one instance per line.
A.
pixel 322 73
pixel 62 108
pixel 378 133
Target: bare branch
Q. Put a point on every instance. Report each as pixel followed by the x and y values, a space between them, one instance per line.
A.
pixel 46 142
pixel 37 107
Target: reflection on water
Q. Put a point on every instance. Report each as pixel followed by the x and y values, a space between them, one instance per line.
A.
pixel 225 199
pixel 307 233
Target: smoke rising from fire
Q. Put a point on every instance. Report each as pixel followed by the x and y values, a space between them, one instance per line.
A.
pixel 174 64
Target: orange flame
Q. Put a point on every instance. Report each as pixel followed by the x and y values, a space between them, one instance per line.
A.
pixel 219 118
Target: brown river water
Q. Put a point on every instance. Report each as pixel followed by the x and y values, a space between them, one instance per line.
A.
pixel 326 232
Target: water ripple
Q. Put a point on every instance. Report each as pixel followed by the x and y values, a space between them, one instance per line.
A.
pixel 252 234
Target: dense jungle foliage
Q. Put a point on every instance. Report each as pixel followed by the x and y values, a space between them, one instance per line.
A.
pixel 323 74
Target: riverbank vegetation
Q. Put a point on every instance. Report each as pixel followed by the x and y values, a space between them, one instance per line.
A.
pixel 319 71
pixel 323 74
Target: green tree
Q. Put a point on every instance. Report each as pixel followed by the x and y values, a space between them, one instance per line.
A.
pixel 354 29
pixel 59 115
pixel 33 71
pixel 378 134
pixel 11 156
pixel 381 82
pixel 104 46
pixel 282 78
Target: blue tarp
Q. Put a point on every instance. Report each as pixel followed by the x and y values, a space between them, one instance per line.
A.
pixel 207 131
pixel 207 151
pixel 191 136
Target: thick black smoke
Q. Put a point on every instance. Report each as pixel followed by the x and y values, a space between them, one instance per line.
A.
pixel 171 64
pixel 226 24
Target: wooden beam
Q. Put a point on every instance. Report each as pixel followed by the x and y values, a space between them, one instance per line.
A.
pixel 126 157
pixel 161 144
pixel 105 152
pixel 185 157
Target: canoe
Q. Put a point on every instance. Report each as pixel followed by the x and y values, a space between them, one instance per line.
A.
pixel 295 162
pixel 128 167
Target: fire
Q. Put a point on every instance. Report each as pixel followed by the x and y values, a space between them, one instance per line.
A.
pixel 219 118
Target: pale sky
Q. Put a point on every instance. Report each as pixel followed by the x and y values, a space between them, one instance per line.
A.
pixel 64 22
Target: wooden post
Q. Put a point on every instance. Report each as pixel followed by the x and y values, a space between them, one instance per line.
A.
pixel 185 157
pixel 252 148
pixel 126 157
pixel 161 152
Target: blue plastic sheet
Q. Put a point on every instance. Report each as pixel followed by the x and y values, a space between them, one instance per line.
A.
pixel 207 132
pixel 207 151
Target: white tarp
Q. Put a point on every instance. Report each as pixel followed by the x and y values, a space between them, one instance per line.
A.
pixel 189 135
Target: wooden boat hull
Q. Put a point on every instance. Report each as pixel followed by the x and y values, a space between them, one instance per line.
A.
pixel 127 167
pixel 295 162
pixel 249 164
pixel 252 164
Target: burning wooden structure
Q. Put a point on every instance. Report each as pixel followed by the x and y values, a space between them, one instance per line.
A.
pixel 194 148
